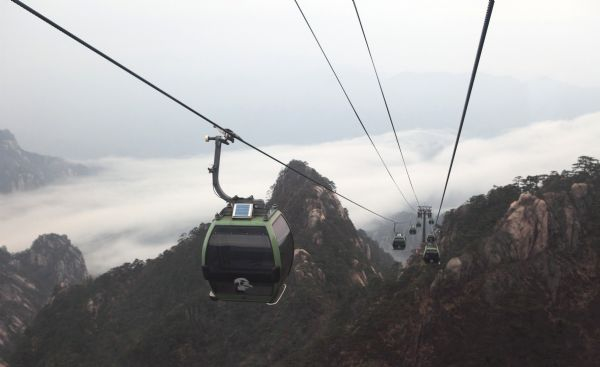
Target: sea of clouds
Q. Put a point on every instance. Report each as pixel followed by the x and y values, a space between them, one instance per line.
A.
pixel 137 208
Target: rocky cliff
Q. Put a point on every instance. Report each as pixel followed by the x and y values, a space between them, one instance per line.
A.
pixel 157 312
pixel 22 170
pixel 29 278
pixel 518 286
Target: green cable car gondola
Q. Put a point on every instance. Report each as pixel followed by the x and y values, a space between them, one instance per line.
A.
pixel 399 242
pixel 412 230
pixel 418 224
pixel 248 250
pixel 431 254
pixel 430 238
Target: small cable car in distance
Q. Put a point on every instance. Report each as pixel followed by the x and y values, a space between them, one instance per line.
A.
pixel 431 254
pixel 248 250
pixel 399 242
pixel 430 218
pixel 412 230
pixel 418 224
pixel 430 238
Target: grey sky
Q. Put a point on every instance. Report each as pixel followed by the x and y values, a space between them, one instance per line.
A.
pixel 252 65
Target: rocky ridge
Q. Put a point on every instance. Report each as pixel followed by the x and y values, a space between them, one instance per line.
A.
pixel 519 286
pixel 28 280
pixel 21 170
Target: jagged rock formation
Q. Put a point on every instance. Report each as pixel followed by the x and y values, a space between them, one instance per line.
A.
pixel 519 286
pixel 157 312
pixel 21 170
pixel 28 279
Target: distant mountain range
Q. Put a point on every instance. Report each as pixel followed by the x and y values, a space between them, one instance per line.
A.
pixel 21 170
pixel 315 111
pixel 518 285
pixel 29 278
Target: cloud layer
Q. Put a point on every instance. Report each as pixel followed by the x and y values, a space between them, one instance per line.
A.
pixel 137 208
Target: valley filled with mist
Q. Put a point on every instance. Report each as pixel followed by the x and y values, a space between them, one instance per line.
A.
pixel 134 208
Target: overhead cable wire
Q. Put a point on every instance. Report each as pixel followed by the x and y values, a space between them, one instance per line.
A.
pixel 192 110
pixel 352 105
pixel 486 23
pixel 387 108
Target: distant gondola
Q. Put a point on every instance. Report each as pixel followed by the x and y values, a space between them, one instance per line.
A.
pixel 430 238
pixel 431 254
pixel 399 242
pixel 412 230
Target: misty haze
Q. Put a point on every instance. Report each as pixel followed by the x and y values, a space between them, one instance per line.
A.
pixel 109 220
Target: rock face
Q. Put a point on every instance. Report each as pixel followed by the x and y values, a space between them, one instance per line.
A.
pixel 519 286
pixel 21 170
pixel 157 312
pixel 28 279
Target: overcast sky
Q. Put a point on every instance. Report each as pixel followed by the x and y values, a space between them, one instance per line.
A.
pixel 253 64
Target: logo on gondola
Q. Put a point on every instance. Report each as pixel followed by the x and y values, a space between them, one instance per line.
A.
pixel 242 285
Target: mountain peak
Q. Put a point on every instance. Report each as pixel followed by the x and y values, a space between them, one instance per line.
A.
pixel 28 280
pixel 289 176
pixel 21 170
pixel 6 135
pixel 58 257
pixel 8 141
pixel 51 241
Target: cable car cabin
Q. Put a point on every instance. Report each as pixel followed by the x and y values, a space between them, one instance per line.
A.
pixel 430 238
pixel 418 224
pixel 412 230
pixel 248 253
pixel 399 242
pixel 431 221
pixel 431 254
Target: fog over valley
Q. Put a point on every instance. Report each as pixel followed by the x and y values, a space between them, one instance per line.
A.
pixel 136 208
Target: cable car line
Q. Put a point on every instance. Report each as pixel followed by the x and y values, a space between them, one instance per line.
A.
pixel 192 110
pixel 352 105
pixel 486 23
pixel 387 108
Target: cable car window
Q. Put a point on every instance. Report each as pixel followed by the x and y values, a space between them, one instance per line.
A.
pixel 286 243
pixel 239 248
pixel 281 229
